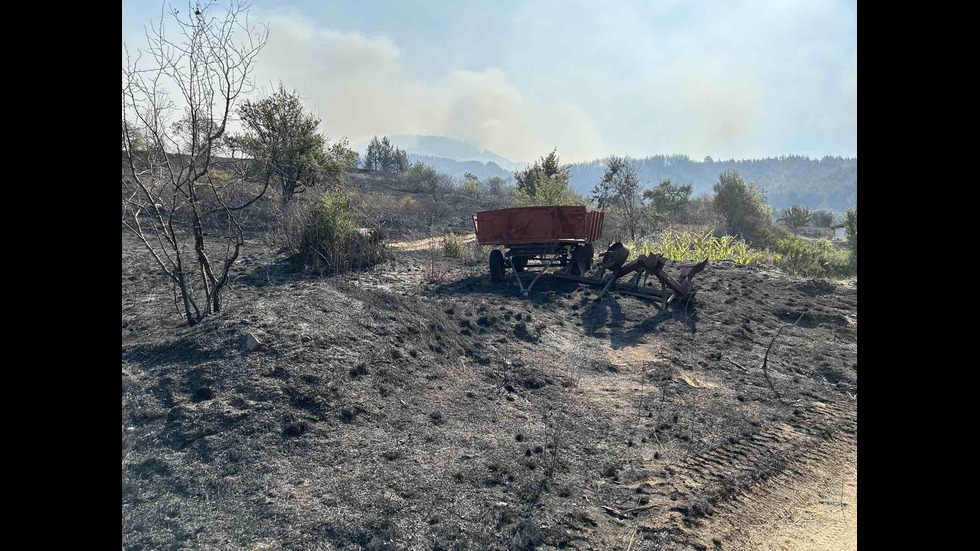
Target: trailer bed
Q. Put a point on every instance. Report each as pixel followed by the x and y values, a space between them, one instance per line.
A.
pixel 525 225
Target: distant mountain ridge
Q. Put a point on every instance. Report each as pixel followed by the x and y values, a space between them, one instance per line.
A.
pixel 445 148
pixel 456 169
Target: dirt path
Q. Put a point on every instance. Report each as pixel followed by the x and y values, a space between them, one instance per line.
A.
pixel 428 243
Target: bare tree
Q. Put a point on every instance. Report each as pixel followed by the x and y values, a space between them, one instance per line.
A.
pixel 172 191
pixel 435 189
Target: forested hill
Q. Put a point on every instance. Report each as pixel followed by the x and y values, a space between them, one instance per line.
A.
pixel 827 183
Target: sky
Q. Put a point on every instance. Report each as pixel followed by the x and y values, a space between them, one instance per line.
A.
pixel 730 79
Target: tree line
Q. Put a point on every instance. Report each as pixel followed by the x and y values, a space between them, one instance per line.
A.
pixel 829 183
pixel 735 206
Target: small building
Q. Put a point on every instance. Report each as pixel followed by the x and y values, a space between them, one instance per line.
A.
pixel 839 232
pixel 815 232
pixel 808 231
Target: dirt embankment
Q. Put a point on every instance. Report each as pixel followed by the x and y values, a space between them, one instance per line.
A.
pixel 387 411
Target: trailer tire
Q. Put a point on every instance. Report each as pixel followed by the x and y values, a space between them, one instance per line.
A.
pixel 582 259
pixel 496 265
pixel 520 262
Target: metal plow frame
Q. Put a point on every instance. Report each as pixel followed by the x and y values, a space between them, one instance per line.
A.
pixel 614 262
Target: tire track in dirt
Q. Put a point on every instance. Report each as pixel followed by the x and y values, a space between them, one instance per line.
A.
pixel 751 492
pixel 740 492
pixel 810 506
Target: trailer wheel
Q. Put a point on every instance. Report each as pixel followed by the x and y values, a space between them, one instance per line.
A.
pixel 496 265
pixel 582 259
pixel 520 262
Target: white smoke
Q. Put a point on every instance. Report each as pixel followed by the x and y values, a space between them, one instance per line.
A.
pixel 728 80
pixel 358 85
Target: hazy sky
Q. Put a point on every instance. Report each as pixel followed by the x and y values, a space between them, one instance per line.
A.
pixel 738 79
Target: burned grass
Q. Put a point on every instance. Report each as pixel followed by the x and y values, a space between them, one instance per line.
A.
pixel 387 411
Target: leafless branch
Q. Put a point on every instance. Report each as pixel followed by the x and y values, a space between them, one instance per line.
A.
pixel 765 359
pixel 170 158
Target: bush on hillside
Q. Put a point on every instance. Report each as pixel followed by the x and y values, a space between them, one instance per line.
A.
pixel 331 243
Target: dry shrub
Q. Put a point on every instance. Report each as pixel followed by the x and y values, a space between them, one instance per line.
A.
pixel 478 252
pixel 409 204
pixel 379 212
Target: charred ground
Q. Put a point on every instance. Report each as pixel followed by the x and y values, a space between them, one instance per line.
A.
pixel 387 411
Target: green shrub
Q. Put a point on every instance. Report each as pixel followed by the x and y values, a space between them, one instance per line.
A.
pixel 422 177
pixel 545 184
pixel 823 218
pixel 668 203
pixel 851 229
pixel 332 217
pixel 330 242
pixel 471 184
pixel 811 258
pixel 547 192
pixel 452 246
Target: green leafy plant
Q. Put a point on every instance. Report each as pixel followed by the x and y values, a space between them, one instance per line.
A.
pixel 471 184
pixel 697 246
pixel 668 203
pixel 851 229
pixel 286 147
pixel 544 184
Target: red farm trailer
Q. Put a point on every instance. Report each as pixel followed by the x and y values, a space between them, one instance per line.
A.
pixel 538 236
pixel 527 237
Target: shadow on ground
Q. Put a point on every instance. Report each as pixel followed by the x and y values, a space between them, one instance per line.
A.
pixel 482 284
pixel 608 314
